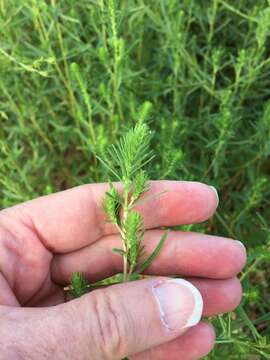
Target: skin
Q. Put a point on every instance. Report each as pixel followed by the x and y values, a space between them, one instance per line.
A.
pixel 44 240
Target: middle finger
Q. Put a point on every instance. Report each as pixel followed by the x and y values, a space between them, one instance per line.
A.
pixel 184 253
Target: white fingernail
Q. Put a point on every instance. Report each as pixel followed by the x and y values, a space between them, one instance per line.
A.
pixel 180 303
pixel 240 243
pixel 215 191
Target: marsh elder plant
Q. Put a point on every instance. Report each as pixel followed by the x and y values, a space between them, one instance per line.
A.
pixel 75 75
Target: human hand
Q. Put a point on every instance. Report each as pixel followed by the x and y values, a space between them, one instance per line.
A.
pixel 44 240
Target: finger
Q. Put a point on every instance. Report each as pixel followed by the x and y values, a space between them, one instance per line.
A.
pixel 184 253
pixel 194 344
pixel 219 296
pixel 6 295
pixel 74 218
pixel 47 297
pixel 107 323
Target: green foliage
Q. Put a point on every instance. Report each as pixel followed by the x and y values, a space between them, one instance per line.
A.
pixel 126 161
pixel 79 285
pixel 133 228
pixel 141 267
pixel 112 204
pixel 130 154
pixel 140 185
pixel 74 75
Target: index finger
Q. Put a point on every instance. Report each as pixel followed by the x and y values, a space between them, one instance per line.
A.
pixel 71 219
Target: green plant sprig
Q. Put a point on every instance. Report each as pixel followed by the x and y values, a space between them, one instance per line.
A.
pixel 126 161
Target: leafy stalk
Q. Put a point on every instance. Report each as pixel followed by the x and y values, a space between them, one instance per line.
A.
pixel 126 160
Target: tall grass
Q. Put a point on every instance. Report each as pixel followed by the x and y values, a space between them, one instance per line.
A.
pixel 75 74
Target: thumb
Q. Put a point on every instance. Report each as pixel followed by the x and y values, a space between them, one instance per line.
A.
pixel 124 319
pixel 106 324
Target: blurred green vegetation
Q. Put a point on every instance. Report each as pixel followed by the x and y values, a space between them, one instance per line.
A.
pixel 74 75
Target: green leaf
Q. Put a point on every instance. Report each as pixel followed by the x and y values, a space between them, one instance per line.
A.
pixel 248 322
pixel 130 153
pixel 119 251
pixel 154 254
pixel 108 167
pixel 79 284
pixel 140 184
pixel 134 231
pixel 112 205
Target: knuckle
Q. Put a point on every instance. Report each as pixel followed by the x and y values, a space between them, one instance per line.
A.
pixel 109 326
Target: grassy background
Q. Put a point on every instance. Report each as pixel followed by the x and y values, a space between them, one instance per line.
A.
pixel 75 74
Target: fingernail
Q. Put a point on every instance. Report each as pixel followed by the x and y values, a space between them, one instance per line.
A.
pixel 241 244
pixel 180 303
pixel 215 191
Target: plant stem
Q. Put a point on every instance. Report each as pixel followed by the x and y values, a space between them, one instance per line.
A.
pixel 125 269
pixel 123 237
pixel 130 271
pixel 125 245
